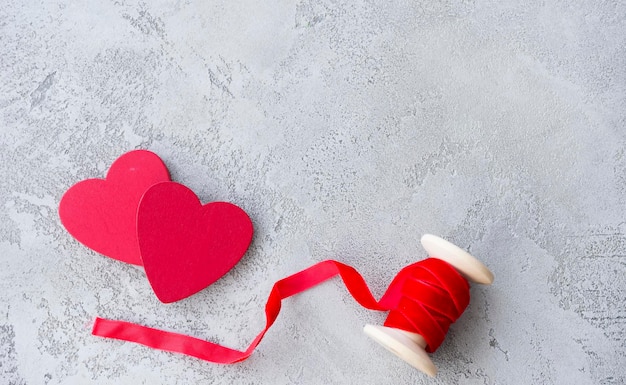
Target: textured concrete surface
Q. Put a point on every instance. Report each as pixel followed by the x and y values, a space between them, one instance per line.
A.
pixel 346 129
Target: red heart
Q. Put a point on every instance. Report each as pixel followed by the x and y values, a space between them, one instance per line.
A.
pixel 102 213
pixel 186 246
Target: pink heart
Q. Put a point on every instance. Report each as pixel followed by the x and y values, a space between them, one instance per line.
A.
pixel 101 213
pixel 184 245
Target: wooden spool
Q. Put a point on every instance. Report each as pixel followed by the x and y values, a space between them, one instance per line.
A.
pixel 411 346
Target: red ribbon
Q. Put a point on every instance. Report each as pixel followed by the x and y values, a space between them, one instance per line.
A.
pixel 425 298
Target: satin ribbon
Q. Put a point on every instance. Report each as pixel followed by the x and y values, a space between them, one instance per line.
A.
pixel 425 298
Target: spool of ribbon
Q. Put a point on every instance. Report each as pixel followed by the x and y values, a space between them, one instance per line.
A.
pixel 423 300
pixel 422 319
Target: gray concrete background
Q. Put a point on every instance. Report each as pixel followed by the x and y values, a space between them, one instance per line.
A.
pixel 346 130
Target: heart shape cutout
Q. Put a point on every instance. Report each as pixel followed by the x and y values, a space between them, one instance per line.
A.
pixel 186 246
pixel 101 213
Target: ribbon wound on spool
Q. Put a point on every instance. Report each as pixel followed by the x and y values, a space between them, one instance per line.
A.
pixel 425 298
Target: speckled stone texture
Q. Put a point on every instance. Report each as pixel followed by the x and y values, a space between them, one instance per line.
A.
pixel 346 129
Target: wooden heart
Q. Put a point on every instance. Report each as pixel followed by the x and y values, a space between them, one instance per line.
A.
pixel 102 213
pixel 184 245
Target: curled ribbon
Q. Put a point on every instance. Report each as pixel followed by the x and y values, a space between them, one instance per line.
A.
pixel 425 298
